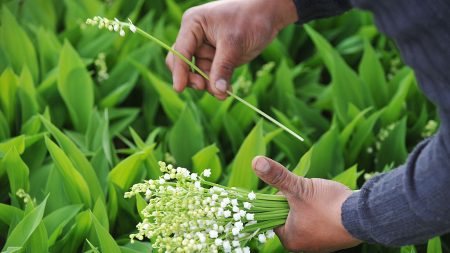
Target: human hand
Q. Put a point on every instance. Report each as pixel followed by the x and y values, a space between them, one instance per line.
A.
pixel 314 222
pixel 223 35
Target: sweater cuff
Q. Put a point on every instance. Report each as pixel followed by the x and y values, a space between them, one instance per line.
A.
pixel 351 220
pixel 308 10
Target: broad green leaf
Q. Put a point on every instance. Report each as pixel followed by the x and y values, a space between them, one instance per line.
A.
pixel 17 45
pixel 241 173
pixel 9 213
pixel 326 156
pixel 4 127
pixel 362 133
pixel 434 245
pixel 117 96
pixel 101 213
pixel 77 157
pixel 75 185
pixel 174 11
pixel 49 48
pixel 32 13
pixel 349 177
pixel 57 220
pixel 107 242
pixel 347 87
pixel 17 142
pixel 408 249
pixel 17 170
pixel 350 128
pixel 394 110
pixel 140 205
pixel 304 165
pixel 27 95
pixel 22 232
pixel 126 172
pixel 207 158
pixel 120 119
pixel 8 86
pixel 38 241
pixel 76 87
pixel 186 137
pixel 372 73
pixel 76 235
pixel 170 101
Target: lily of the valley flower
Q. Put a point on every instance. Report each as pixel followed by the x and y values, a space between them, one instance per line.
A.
pixel 186 213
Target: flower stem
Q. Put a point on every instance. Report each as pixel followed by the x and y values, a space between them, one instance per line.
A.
pixel 204 75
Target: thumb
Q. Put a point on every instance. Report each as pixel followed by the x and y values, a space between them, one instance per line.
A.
pixel 222 68
pixel 276 175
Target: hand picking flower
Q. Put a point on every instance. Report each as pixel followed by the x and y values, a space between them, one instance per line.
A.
pixel 186 213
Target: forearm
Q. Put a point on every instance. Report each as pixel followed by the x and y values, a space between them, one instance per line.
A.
pixel 407 205
pixel 410 204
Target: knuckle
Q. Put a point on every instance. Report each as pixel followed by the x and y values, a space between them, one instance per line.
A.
pixel 279 177
pixel 189 14
pixel 236 37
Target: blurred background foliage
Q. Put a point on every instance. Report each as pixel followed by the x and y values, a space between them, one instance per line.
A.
pixel 84 114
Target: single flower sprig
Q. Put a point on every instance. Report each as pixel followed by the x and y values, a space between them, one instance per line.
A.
pixel 117 26
pixel 186 213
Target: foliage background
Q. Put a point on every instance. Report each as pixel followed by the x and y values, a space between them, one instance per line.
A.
pixel 84 114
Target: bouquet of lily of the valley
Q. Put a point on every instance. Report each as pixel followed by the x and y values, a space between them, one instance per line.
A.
pixel 186 213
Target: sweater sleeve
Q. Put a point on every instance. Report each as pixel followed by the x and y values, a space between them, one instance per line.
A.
pixel 313 9
pixel 411 203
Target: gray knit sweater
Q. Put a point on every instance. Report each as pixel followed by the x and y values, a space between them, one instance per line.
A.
pixel 411 203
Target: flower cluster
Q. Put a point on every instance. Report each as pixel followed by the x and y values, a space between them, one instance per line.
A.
pixel 112 25
pixel 186 213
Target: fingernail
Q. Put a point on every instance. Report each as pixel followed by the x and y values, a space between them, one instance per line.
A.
pixel 221 85
pixel 262 165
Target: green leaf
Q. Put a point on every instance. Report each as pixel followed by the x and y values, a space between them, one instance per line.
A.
pixel 241 173
pixel 349 177
pixel 77 157
pixel 434 245
pixel 127 171
pixel 25 228
pixel 76 87
pixel 326 157
pixel 207 158
pixel 17 45
pixel 4 127
pixel 27 95
pixel 38 241
pixel 186 137
pixel 8 86
pixel 170 101
pixel 17 142
pixel 408 249
pixel 393 148
pixel 394 110
pixel 347 87
pixel 57 220
pixel 101 213
pixel 372 73
pixel 304 165
pixel 17 170
pixel 75 186
pixel 9 213
pixel 107 242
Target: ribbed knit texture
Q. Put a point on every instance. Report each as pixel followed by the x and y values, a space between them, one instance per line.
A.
pixel 313 9
pixel 411 203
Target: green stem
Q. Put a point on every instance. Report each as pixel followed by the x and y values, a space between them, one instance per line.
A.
pixel 204 75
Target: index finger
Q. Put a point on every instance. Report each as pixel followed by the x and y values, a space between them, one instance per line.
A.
pixel 189 39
